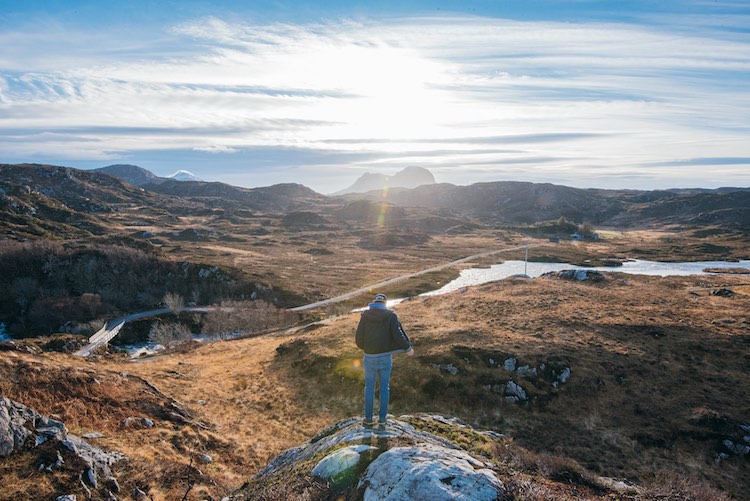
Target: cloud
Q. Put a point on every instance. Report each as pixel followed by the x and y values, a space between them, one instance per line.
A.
pixel 446 91
pixel 216 148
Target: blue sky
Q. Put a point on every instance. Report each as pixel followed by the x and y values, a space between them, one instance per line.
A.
pixel 615 94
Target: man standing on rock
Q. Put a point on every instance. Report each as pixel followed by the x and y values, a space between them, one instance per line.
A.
pixel 380 335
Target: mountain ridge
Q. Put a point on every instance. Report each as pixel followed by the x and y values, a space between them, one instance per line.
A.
pixel 91 192
pixel 408 177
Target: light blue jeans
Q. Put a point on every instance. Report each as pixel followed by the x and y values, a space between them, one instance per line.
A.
pixel 377 368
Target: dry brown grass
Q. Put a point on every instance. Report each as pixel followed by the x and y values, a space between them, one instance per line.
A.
pixel 649 362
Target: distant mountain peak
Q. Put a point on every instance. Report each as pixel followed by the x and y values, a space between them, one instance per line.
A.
pixel 409 177
pixel 184 175
pixel 137 176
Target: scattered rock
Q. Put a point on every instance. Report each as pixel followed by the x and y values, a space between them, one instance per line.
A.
pixel 564 376
pixel 514 392
pixel 135 422
pixel 735 448
pixel 510 364
pixel 58 462
pixel 204 458
pixel 67 497
pixel 526 371
pixel 91 435
pixel 91 478
pixel 13 425
pixel 139 495
pixel 449 368
pixel 20 425
pixel 723 292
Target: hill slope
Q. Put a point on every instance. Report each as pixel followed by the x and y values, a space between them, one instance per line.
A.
pixel 137 176
pixel 655 389
pixel 526 203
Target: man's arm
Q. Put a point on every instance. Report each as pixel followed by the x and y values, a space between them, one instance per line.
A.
pixel 360 335
pixel 399 334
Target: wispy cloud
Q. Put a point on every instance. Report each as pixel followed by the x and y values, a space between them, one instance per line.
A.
pixel 443 91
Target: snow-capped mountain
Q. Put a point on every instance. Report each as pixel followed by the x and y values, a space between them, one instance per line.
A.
pixel 184 175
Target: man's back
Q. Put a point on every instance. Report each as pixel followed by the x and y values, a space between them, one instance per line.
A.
pixel 379 331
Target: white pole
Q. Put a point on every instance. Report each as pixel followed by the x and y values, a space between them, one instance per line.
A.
pixel 526 260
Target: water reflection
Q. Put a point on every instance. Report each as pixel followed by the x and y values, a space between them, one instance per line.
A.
pixel 478 276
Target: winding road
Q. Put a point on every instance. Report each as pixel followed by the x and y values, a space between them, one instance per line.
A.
pixel 112 328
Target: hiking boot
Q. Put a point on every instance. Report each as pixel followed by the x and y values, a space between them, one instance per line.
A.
pixel 367 423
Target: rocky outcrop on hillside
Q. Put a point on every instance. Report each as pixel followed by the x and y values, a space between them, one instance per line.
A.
pixel 391 462
pixel 23 429
pixel 411 457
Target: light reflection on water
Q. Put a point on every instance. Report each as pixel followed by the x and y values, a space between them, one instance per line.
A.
pixel 479 276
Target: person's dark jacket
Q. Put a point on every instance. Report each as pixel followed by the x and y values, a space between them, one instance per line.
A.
pixel 379 331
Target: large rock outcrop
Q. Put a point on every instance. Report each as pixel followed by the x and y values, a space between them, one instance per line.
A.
pixel 418 457
pixel 392 462
pixel 21 427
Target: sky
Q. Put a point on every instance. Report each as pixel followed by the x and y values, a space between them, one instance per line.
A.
pixel 607 94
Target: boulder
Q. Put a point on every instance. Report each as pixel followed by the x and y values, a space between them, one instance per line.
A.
pixel 19 423
pixel 340 464
pixel 397 461
pixel 13 432
pixel 428 472
pixel 449 368
pixel 514 392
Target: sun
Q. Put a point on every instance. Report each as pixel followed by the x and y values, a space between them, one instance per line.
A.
pixel 392 93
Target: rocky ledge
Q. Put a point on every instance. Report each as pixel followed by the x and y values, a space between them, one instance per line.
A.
pixel 410 457
pixel 23 429
pixel 394 461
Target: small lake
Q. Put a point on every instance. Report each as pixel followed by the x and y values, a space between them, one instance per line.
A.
pixel 479 276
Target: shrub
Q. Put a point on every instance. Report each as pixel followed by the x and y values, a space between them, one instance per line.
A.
pixel 246 317
pixel 169 334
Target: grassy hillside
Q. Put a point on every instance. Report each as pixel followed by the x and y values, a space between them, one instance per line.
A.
pixel 658 379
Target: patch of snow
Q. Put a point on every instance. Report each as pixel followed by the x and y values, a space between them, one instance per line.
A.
pixel 184 175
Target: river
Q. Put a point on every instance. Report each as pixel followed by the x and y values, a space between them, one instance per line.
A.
pixel 478 276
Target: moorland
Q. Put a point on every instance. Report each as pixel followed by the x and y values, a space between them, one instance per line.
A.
pixel 658 366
